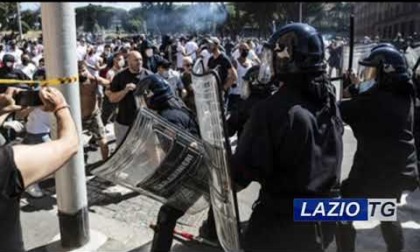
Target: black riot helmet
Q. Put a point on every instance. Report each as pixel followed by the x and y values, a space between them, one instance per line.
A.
pixel 293 49
pixel 389 65
pixel 156 89
pixel 383 45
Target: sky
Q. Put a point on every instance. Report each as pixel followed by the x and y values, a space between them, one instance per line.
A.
pixel 122 5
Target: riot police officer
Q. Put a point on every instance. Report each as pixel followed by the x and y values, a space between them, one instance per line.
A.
pixel 292 142
pixel 160 98
pixel 381 117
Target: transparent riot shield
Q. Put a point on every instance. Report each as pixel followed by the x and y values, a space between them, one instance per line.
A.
pixel 359 51
pixel 161 161
pixel 217 149
pixel 412 55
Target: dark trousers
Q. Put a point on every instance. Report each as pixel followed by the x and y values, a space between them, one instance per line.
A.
pixel 166 222
pixel 269 230
pixel 392 233
pixel 233 102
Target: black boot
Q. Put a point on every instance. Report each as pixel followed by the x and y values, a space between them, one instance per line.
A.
pixel 166 222
pixel 208 228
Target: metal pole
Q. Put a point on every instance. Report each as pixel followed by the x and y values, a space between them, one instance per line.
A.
pixel 300 12
pixel 59 32
pixel 19 21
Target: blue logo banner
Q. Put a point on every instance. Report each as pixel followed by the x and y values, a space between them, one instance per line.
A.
pixel 312 210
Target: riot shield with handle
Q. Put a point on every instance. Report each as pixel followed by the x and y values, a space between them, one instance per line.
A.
pixel 217 148
pixel 162 161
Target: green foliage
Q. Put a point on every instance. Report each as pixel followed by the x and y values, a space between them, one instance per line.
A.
pixel 92 17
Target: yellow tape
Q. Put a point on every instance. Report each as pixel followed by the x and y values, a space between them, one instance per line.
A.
pixel 57 81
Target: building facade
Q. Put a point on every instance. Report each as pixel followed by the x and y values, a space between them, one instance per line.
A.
pixel 386 19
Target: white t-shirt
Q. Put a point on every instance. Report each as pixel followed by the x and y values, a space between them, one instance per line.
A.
pixel 92 61
pixel 206 56
pixel 191 47
pixel 36 59
pixel 81 52
pixel 179 56
pixel 251 55
pixel 29 69
pixel 38 122
pixel 241 73
pixel 39 49
pixel 17 53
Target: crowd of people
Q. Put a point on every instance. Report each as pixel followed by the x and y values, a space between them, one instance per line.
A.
pixel 280 103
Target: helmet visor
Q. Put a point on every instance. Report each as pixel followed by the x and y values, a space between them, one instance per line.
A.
pixel 366 73
pixel 266 72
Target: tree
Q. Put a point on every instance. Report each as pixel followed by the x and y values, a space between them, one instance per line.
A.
pixel 92 17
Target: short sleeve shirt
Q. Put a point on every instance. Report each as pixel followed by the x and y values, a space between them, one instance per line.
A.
pixel 11 188
pixel 127 106
pixel 224 63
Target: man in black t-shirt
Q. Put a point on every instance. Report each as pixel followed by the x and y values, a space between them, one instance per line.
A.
pixel 121 92
pixel 219 60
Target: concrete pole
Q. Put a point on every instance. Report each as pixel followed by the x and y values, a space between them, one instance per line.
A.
pixel 59 32
pixel 300 12
pixel 19 21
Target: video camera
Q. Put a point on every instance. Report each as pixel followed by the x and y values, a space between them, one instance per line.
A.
pixel 28 98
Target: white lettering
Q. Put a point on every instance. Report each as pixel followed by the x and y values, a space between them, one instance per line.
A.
pixel 320 209
pixel 334 206
pixel 354 213
pixel 302 212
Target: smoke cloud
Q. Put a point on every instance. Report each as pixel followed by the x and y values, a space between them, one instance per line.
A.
pixel 201 17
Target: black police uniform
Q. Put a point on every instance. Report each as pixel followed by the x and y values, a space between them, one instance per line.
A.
pixel 175 111
pixel 178 114
pixel 291 145
pixel 293 154
pixel 385 161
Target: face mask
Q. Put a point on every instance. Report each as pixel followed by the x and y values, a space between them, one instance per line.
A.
pixel 244 54
pixel 366 85
pixel 82 78
pixel 10 64
pixel 121 63
pixel 165 74
pixel 149 53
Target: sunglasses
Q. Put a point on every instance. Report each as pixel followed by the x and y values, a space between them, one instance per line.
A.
pixel 188 65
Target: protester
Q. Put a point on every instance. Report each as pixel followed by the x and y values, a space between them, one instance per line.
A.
pixel 121 92
pixel 24 165
pixel 91 113
pixel 172 77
